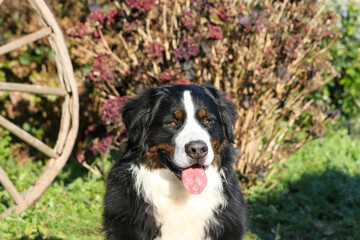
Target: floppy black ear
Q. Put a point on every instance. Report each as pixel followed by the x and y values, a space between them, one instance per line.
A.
pixel 227 110
pixel 137 116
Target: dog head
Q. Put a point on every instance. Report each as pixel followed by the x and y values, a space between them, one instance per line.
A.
pixel 181 128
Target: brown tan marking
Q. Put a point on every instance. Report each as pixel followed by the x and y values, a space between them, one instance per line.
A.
pixel 216 147
pixel 152 158
pixel 178 114
pixel 202 112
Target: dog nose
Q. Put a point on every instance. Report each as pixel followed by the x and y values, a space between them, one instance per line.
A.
pixel 196 149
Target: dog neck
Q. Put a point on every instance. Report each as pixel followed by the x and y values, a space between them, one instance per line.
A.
pixel 179 214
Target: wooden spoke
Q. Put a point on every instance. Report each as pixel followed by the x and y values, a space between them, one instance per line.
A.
pixel 8 47
pixel 30 88
pixel 9 186
pixel 25 136
pixel 69 123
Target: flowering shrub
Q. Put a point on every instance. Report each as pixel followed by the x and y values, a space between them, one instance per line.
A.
pixel 111 110
pixel 266 56
pixel 103 71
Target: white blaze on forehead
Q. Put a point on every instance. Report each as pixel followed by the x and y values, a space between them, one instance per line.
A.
pixel 189 105
pixel 192 131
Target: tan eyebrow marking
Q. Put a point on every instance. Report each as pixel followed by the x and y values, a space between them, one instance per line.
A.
pixel 178 114
pixel 202 113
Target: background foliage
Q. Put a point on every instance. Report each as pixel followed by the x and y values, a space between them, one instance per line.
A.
pixel 315 195
pixel 343 93
pixel 32 64
pixel 235 46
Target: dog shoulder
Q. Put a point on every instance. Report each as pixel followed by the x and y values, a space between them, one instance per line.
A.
pixel 126 214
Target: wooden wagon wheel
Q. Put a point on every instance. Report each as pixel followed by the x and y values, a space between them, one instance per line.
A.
pixel 70 110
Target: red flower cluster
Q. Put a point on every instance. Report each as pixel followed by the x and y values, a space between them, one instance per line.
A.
pixel 103 69
pixel 171 76
pixel 102 146
pixel 97 16
pixel 154 50
pixel 168 76
pixel 81 156
pixel 188 48
pixel 79 30
pixel 252 21
pixel 111 110
pixel 215 32
pixel 114 16
pixel 223 16
pixel 183 80
pixel 146 5
pixel 187 20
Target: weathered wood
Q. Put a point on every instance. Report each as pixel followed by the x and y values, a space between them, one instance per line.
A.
pixel 25 136
pixel 65 124
pixel 9 186
pixel 30 88
pixel 8 47
pixel 70 111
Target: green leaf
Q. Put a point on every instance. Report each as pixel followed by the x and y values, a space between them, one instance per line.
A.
pixel 351 30
pixel 37 58
pixel 16 17
pixel 351 71
pixel 51 98
pixel 25 58
pixel 2 76
pixel 27 126
pixel 52 56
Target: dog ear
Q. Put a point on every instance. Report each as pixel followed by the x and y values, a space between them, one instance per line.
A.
pixel 227 110
pixel 137 115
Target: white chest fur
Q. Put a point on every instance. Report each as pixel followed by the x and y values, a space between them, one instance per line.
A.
pixel 180 214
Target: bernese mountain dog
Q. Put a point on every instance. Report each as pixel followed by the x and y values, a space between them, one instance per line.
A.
pixel 175 180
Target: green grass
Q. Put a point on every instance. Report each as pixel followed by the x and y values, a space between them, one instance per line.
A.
pixel 70 208
pixel 66 210
pixel 317 196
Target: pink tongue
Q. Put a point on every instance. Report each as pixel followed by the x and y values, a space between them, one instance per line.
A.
pixel 194 179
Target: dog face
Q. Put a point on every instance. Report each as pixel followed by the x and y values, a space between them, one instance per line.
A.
pixel 180 128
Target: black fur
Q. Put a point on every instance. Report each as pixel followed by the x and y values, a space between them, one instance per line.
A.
pixel 126 214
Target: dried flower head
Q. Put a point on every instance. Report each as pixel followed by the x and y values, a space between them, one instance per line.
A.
pixel 146 5
pixel 78 30
pixel 114 16
pixel 188 48
pixel 97 17
pixel 103 69
pixel 154 50
pixel 102 145
pixel 111 110
pixel 188 20
pixel 215 32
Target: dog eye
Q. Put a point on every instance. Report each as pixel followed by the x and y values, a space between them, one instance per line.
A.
pixel 207 121
pixel 173 123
